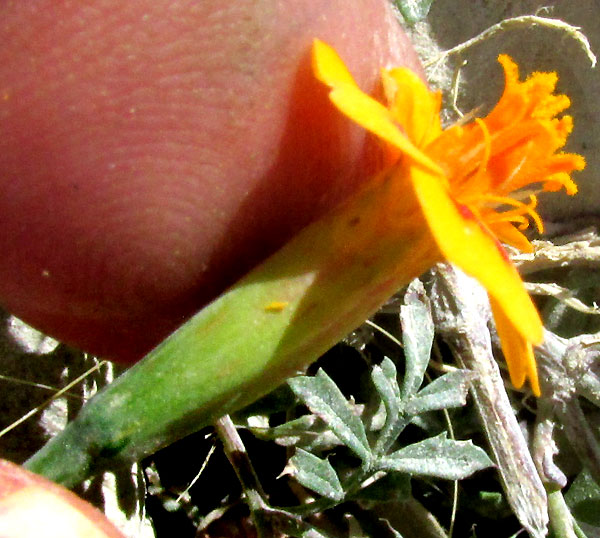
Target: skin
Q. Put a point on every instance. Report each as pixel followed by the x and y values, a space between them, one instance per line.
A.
pixel 154 151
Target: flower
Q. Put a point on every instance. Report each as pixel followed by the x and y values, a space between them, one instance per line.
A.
pixel 469 181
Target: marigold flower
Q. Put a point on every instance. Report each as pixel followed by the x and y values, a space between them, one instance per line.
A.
pixel 468 182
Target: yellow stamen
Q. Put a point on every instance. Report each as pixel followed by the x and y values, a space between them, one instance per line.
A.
pixel 556 182
pixel 516 214
pixel 487 146
pixel 454 180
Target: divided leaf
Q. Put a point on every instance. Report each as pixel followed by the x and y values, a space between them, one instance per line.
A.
pixel 384 379
pixel 417 336
pixel 322 396
pixel 438 456
pixel 317 475
pixel 447 391
pixel 308 432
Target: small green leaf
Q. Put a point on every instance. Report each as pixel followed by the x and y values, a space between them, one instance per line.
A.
pixel 384 379
pixel 317 475
pixel 489 504
pixel 417 336
pixel 322 396
pixel 439 457
pixel 309 532
pixel 312 533
pixel 308 432
pixel 445 392
pixel 414 10
pixel 583 498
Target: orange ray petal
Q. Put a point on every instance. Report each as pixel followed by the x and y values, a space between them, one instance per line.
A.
pixel 464 242
pixel 328 67
pixel 518 352
pixel 360 107
pixel 413 105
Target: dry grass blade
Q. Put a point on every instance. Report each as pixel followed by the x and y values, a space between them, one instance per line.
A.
pixel 461 313
pixel 47 402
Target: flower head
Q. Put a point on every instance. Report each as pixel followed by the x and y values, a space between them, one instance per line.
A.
pixel 475 183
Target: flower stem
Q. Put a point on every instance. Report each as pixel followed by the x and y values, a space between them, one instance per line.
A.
pixel 329 278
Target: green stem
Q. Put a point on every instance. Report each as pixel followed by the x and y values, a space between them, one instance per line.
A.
pixel 561 519
pixel 270 325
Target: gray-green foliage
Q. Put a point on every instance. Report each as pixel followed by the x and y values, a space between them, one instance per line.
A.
pixel 583 498
pixel 319 473
pixel 384 460
pixel 322 396
pixel 413 10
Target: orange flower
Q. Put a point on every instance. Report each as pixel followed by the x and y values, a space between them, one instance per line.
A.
pixel 469 181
